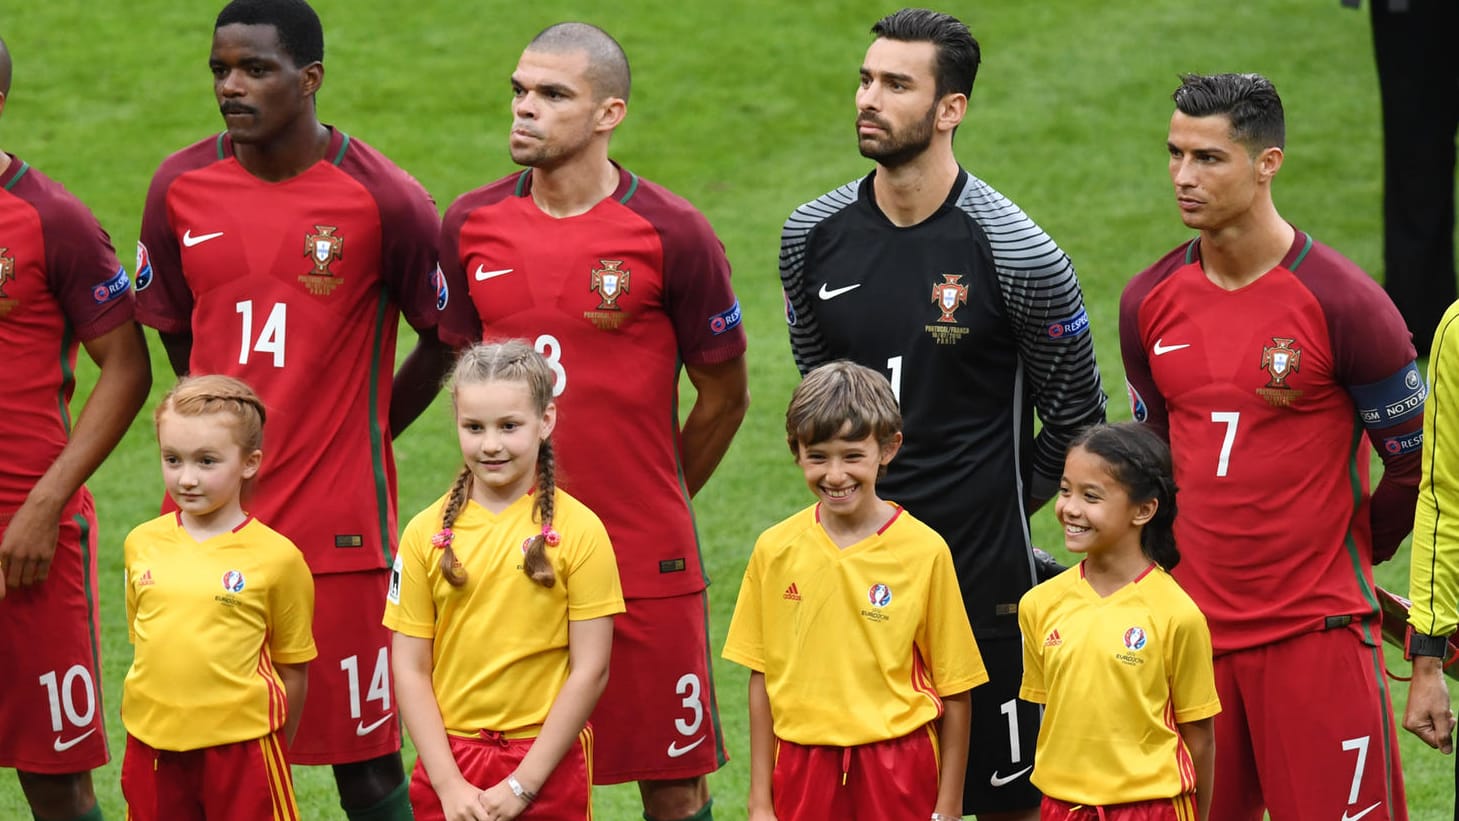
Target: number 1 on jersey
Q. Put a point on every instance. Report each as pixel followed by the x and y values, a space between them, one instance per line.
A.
pixel 1230 419
pixel 270 339
pixel 895 366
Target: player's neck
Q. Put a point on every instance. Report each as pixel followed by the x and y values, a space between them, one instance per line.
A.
pixel 847 530
pixel 574 187
pixel 1239 254
pixel 910 193
pixel 289 155
pixel 225 519
pixel 1110 569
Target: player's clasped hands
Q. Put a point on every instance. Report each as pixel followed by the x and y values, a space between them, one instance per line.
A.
pixel 464 801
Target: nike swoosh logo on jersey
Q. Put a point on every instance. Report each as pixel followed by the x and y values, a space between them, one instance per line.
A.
pixel 189 240
pixel 1162 350
pixel 63 746
pixel 676 751
pixel 482 274
pixel 999 780
pixel 1345 817
pixel 828 292
pixel 363 729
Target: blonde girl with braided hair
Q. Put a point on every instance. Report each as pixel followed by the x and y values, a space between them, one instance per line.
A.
pixel 502 600
pixel 220 609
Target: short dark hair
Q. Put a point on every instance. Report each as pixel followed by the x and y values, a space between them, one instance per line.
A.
pixel 608 70
pixel 1249 101
pixel 842 400
pixel 958 53
pixel 300 34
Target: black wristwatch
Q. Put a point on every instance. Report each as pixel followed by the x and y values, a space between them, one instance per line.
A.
pixel 1420 644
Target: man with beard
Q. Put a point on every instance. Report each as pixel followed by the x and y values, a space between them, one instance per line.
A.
pixel 926 273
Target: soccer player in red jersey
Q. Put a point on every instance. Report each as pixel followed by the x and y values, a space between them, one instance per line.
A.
pixel 1268 360
pixel 283 252
pixel 618 283
pixel 60 286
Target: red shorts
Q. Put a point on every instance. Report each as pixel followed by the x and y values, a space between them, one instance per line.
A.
pixel 892 780
pixel 658 718
pixel 50 693
pixel 486 761
pixel 349 711
pixel 244 781
pixel 1180 808
pixel 1306 731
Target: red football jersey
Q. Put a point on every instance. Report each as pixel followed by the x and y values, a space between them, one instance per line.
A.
pixel 616 299
pixel 60 283
pixel 1256 391
pixel 297 287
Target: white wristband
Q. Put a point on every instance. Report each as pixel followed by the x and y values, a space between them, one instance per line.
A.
pixel 519 791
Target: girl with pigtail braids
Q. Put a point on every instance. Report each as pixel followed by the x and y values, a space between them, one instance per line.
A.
pixel 1115 649
pixel 502 600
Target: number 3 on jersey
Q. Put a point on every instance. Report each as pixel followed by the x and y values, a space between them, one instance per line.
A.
pixel 551 350
pixel 270 339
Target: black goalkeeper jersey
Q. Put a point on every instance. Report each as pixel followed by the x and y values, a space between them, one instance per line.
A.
pixel 976 317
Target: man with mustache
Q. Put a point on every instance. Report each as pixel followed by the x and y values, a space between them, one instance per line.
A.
pixel 925 273
pixel 618 283
pixel 283 252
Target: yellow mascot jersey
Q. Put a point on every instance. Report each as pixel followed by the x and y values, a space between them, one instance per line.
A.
pixel 1117 675
pixel 857 645
pixel 208 621
pixel 499 643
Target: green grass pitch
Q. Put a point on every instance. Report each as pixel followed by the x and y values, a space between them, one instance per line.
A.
pixel 745 107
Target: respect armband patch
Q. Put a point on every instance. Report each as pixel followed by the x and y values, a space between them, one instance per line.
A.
pixel 104 292
pixel 1073 326
pixel 1390 401
pixel 725 320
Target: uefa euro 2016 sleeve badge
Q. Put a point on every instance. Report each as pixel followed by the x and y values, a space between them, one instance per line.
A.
pixel 1280 362
pixel 323 248
pixel 7 275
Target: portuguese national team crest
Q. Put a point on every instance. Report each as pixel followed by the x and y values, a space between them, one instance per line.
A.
pixel 609 282
pixel 323 249
pixel 949 295
pixel 1280 362
pixel 7 275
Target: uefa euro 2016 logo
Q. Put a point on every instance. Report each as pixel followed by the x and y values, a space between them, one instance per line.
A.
pixel 1135 638
pixel 233 581
pixel 879 595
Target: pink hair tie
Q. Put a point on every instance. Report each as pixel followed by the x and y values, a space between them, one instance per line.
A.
pixel 443 539
pixel 550 535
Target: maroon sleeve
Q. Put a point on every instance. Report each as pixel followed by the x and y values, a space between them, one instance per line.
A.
pixel 81 266
pixel 410 230
pixel 697 292
pixel 460 324
pixel 1374 357
pixel 164 299
pixel 1146 403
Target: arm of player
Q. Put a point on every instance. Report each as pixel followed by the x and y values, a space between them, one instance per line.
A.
pixel 806 345
pixel 1200 740
pixel 126 376
pixel 719 408
pixel 1147 405
pixel 179 349
pixel 410 662
pixel 296 687
pixel 957 726
pixel 1392 410
pixel 762 750
pixel 418 380
pixel 589 644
